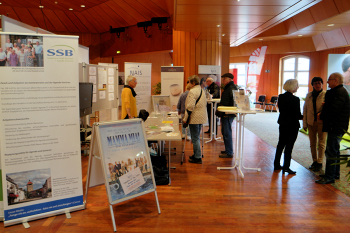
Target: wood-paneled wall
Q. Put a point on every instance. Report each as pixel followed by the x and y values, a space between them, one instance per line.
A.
pixel 191 52
pixel 269 83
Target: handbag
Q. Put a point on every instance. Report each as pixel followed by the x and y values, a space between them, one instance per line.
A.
pixel 190 112
pixel 219 113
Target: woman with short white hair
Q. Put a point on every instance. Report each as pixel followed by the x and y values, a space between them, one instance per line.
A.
pixel 289 107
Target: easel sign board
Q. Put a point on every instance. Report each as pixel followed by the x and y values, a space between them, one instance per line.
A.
pixel 125 159
pixel 161 103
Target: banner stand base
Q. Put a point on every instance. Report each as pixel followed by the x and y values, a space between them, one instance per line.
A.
pixel 26 225
pixel 43 215
pixel 68 215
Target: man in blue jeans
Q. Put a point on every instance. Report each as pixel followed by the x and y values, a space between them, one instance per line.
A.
pixel 227 119
pixel 335 117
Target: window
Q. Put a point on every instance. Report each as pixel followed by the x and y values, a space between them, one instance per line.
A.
pixel 297 67
pixel 241 73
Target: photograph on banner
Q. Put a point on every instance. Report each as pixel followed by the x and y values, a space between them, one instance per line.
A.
pixel 26 186
pixel 126 159
pixel 39 135
pixel 203 79
pixel 23 51
pixel 340 63
pixel 172 79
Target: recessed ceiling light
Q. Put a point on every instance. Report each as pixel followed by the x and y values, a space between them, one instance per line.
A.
pixel 41 7
pixel 118 51
pixel 261 39
pixel 223 34
pixel 218 25
pixel 82 5
pixel 70 9
pixel 330 25
pixel 56 2
pixel 300 35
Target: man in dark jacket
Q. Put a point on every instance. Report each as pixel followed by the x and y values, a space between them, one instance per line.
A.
pixel 213 90
pixel 227 119
pixel 335 117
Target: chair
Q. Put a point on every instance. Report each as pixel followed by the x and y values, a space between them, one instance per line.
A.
pixel 273 103
pixel 261 101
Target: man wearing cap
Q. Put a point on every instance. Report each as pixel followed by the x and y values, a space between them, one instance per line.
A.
pixel 227 119
pixel 213 90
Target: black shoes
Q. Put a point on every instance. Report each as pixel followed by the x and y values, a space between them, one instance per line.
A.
pixel 224 155
pixel 279 167
pixel 207 131
pixel 289 171
pixel 312 166
pixel 194 160
pixel 335 177
pixel 324 180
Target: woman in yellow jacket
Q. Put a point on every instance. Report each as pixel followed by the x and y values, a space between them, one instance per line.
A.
pixel 129 109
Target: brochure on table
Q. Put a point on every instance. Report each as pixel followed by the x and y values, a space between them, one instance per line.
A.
pixel 142 72
pixel 40 146
pixel 241 100
pixel 172 79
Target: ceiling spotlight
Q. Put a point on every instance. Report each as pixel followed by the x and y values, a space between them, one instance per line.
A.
pixel 330 25
pixel 82 5
pixel 70 9
pixel 218 25
pixel 116 30
pixel 261 39
pixel 145 25
pixel 223 34
pixel 159 21
pixel 300 35
pixel 118 51
pixel 41 7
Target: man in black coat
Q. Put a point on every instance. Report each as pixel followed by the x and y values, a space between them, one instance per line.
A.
pixel 227 119
pixel 335 117
pixel 213 90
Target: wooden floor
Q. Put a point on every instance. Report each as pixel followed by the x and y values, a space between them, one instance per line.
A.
pixel 203 199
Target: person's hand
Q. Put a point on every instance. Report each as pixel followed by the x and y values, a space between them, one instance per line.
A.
pixel 318 116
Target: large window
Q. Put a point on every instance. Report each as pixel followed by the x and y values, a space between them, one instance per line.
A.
pixel 241 73
pixel 297 67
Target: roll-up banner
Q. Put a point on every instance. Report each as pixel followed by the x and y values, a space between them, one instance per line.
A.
pixel 172 79
pixel 340 63
pixel 39 130
pixel 142 72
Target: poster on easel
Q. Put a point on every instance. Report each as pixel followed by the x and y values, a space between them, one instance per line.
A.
pixel 124 160
pixel 161 103
pixel 172 83
pixel 39 134
pixel 142 72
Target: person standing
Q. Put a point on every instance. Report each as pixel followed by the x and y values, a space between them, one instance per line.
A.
pixel 196 103
pixel 289 107
pixel 129 109
pixel 13 58
pixel 335 117
pixel 29 57
pixel 313 105
pixel 8 44
pixel 2 58
pixel 213 90
pixel 39 54
pixel 227 119
pixel 181 110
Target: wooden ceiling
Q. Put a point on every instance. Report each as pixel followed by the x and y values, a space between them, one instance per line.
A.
pixel 239 21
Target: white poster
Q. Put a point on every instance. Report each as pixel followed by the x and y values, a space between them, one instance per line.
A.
pixel 40 141
pixel 172 79
pixel 142 72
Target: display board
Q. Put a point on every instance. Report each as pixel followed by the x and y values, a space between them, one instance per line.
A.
pixel 121 147
pixel 142 72
pixel 40 140
pixel 161 103
pixel 105 85
pixel 172 79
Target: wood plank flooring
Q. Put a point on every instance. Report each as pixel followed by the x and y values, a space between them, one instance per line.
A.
pixel 203 199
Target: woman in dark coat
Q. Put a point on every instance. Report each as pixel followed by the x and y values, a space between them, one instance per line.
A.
pixel 289 107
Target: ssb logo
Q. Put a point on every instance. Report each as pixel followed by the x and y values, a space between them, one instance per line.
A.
pixel 59 52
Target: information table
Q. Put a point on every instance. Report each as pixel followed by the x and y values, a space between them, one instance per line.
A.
pixel 153 128
pixel 239 143
pixel 213 105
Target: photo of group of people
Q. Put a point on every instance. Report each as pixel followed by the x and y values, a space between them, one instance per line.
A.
pixel 22 51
